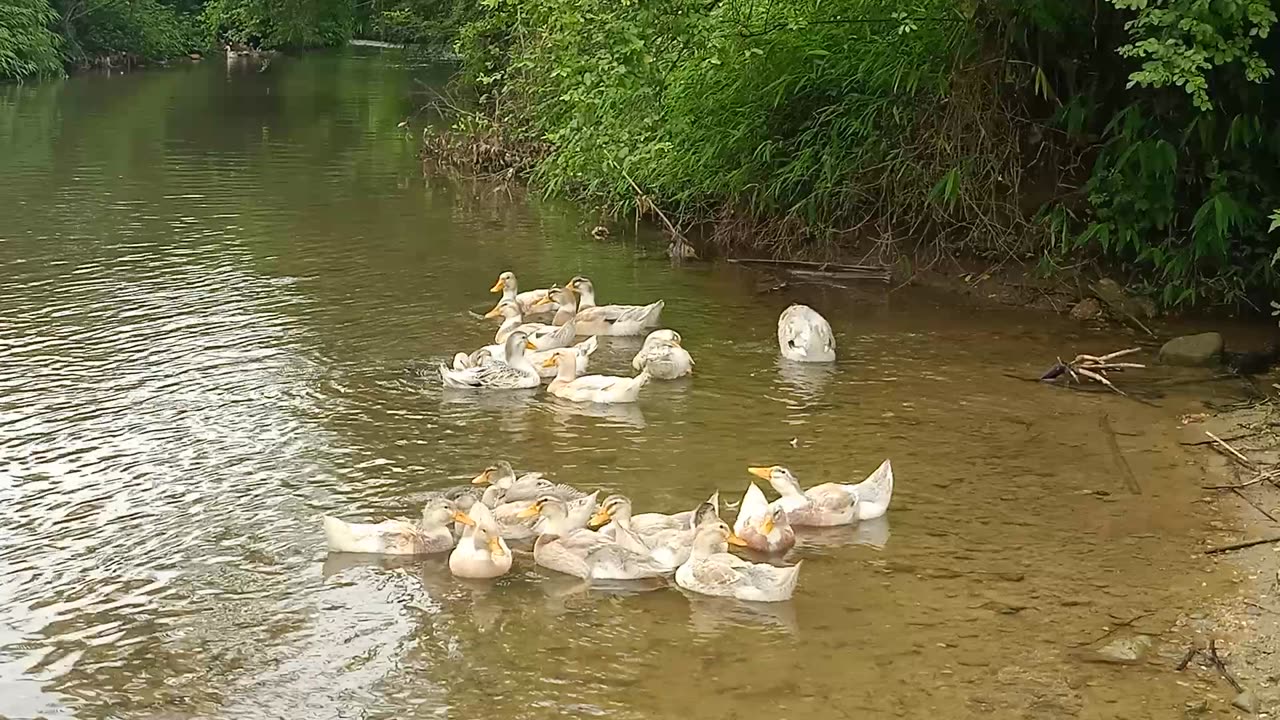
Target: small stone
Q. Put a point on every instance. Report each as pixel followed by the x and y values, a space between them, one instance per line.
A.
pixel 1124 650
pixel 1110 292
pixel 1087 309
pixel 1193 350
pixel 1247 702
pixel 1196 708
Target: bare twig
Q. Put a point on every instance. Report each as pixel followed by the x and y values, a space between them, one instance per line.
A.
pixel 679 238
pixel 1235 453
pixel 1269 474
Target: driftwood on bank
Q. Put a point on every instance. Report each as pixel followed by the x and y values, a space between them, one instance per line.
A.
pixel 1092 367
pixel 837 271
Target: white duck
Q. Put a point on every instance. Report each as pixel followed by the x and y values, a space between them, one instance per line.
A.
pixel 481 551
pixel 510 290
pixel 431 534
pixel 591 319
pixel 591 556
pixel 529 486
pixel 711 570
pixel 667 544
pixel 583 352
pixel 592 388
pixel 663 354
pixel 542 336
pixel 514 374
pixel 557 517
pixel 830 503
pixel 619 505
pixel 805 336
pixel 763 527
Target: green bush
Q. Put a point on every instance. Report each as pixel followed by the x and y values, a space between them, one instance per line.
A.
pixel 766 116
pixel 279 23
pixel 28 48
pixel 1146 125
pixel 1185 146
pixel 147 29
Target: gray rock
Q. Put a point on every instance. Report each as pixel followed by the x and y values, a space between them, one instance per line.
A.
pixel 1124 650
pixel 1087 309
pixel 1247 702
pixel 1110 292
pixel 1193 350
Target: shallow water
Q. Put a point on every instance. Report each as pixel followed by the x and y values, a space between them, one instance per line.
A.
pixel 221 295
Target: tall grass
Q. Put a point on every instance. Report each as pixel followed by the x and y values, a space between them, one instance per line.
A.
pixel 1142 133
pixel 793 126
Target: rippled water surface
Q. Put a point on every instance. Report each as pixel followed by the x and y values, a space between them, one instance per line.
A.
pixel 219 289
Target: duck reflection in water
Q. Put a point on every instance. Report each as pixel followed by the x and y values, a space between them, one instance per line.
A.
pixel 805 381
pixel 872 533
pixel 715 615
pixel 628 414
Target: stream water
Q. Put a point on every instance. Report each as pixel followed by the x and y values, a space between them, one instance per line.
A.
pixel 222 290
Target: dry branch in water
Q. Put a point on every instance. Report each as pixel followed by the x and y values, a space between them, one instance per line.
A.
pixel 1092 367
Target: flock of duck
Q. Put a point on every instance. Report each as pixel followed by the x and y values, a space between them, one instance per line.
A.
pixel 573 533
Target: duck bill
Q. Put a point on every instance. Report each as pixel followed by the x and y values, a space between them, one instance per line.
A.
pixel 461 517
pixel 482 478
pixel 549 362
pixel 492 313
pixel 495 546
pixel 761 472
pixel 600 518
pixel 531 511
pixel 497 287
pixel 544 300
pixel 528 345
pixel 733 539
pixel 767 525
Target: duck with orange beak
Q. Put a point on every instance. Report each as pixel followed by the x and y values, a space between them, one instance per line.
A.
pixel 830 504
pixel 481 552
pixel 527 301
pixel 712 570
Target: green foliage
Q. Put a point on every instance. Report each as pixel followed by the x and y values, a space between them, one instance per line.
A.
pixel 28 48
pixel 766 114
pixel 279 23
pixel 431 23
pixel 1180 190
pixel 1181 41
pixel 146 29
pixel 38 36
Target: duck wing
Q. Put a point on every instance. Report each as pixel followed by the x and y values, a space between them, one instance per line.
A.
pixel 874 493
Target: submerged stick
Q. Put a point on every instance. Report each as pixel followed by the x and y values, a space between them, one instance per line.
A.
pixel 1186 659
pixel 1222 667
pixel 1241 545
pixel 1132 482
